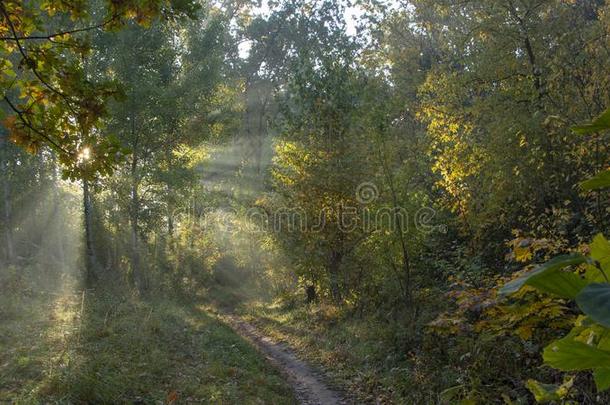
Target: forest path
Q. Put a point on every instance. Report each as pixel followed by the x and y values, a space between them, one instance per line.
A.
pixel 308 385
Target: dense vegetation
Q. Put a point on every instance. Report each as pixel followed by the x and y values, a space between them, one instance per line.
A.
pixel 413 195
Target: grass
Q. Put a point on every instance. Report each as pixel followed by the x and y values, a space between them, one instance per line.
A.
pixel 115 348
pixel 386 361
pixel 355 352
pixel 393 361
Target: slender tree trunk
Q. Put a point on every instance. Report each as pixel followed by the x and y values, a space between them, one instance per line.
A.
pixel 170 216
pixel 170 226
pixel 134 214
pixel 399 230
pixel 56 214
pixel 260 136
pixel 334 265
pixel 310 291
pixel 6 193
pixel 90 261
pixel 539 83
pixel 406 264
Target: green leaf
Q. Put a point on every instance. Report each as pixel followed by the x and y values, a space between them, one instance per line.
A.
pixel 451 393
pixel 567 355
pixel 600 180
pixel 602 378
pixel 561 284
pixel 542 271
pixel 600 251
pixel 593 275
pixel 599 124
pixel 594 300
pixel 544 393
pixel 10 73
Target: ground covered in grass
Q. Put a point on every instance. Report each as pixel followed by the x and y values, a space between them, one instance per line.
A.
pixel 354 352
pixel 108 347
pixel 392 361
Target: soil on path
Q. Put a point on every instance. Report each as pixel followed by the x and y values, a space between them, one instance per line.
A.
pixel 308 385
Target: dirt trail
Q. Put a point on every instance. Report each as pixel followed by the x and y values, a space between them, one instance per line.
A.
pixel 308 385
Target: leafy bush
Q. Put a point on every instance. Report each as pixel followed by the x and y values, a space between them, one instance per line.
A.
pixel 582 278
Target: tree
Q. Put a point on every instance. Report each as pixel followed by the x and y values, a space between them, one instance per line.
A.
pixel 315 170
pixel 173 82
pixel 586 345
pixel 501 153
pixel 51 100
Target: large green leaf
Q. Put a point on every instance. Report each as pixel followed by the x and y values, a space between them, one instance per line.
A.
pixel 593 275
pixel 600 251
pixel 567 355
pixel 602 378
pixel 600 180
pixel 594 300
pixel 599 124
pixel 542 272
pixel 559 283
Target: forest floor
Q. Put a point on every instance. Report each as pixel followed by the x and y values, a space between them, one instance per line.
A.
pixel 60 345
pixel 355 353
pixel 350 356
pixel 231 302
pixel 309 384
pixel 70 347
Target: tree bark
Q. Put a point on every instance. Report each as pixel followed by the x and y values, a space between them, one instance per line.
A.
pixel 399 230
pixel 170 216
pixel 134 213
pixel 170 226
pixel 334 264
pixel 260 136
pixel 90 261
pixel 56 214
pixel 310 291
pixel 7 208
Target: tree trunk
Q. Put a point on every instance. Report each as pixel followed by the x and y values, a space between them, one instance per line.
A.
pixel 406 265
pixel 260 136
pixel 90 261
pixel 6 191
pixel 399 228
pixel 170 216
pixel 8 233
pixel 170 226
pixel 334 265
pixel 7 214
pixel 59 225
pixel 134 213
pixel 310 291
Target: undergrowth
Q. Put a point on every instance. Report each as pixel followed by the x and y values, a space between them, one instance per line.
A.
pixel 399 361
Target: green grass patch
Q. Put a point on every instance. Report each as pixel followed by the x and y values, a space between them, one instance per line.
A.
pixel 356 353
pixel 391 361
pixel 114 348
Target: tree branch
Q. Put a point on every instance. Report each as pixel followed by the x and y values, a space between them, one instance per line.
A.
pixel 35 130
pixel 58 34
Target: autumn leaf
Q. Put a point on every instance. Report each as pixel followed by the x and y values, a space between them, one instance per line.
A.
pixel 172 397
